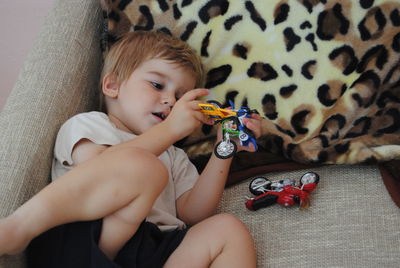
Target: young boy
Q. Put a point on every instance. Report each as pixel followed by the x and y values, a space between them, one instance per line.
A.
pixel 121 192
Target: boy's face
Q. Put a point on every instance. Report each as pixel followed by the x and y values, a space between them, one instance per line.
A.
pixel 147 96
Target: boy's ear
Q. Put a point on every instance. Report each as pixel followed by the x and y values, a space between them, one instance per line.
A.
pixel 110 86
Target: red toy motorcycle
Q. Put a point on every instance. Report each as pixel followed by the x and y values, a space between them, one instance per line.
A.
pixel 283 192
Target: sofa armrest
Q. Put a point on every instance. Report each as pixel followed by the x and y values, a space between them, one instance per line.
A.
pixel 58 79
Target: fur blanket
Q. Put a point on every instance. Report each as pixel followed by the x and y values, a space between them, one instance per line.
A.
pixel 324 74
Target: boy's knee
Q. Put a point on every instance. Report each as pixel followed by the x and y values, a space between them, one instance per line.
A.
pixel 227 219
pixel 140 165
pixel 231 225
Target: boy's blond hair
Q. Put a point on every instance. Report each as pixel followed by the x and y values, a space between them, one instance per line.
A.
pixel 136 47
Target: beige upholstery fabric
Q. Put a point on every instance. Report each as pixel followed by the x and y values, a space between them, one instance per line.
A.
pixel 58 80
pixel 352 222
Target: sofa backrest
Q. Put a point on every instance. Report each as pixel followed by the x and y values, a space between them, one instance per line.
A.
pixel 58 80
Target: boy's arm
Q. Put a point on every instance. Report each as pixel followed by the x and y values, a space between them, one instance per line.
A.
pixel 85 149
pixel 184 118
pixel 202 200
pixel 150 140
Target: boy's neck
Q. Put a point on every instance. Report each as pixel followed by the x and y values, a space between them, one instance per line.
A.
pixel 119 124
pixel 157 139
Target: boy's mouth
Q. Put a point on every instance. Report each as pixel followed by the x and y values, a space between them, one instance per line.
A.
pixel 160 115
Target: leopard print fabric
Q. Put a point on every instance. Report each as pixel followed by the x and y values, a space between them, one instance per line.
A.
pixel 324 74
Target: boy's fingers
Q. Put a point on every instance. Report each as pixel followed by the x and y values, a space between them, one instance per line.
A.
pixel 253 125
pixel 252 148
pixel 195 105
pixel 200 118
pixel 256 116
pixel 249 148
pixel 195 93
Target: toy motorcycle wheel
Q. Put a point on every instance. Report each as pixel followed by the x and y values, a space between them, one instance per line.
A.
pixel 309 177
pixel 225 149
pixel 259 185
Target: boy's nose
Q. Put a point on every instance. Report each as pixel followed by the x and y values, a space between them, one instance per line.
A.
pixel 170 100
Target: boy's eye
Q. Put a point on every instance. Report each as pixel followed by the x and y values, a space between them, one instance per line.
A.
pixel 157 85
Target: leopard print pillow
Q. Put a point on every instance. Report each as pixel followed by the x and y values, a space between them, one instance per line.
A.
pixel 324 74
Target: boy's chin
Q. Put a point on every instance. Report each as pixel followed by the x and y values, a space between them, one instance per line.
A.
pixel 145 128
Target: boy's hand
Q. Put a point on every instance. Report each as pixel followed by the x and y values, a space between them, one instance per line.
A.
pixel 186 116
pixel 254 124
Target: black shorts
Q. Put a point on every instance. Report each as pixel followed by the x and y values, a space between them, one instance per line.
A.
pixel 76 245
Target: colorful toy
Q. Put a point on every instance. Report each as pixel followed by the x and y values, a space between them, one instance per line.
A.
pixel 232 126
pixel 283 192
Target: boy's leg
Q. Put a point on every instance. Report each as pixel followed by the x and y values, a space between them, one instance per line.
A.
pixel 120 226
pixel 96 188
pixel 219 241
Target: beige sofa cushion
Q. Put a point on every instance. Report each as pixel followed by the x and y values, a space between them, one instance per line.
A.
pixel 352 222
pixel 58 79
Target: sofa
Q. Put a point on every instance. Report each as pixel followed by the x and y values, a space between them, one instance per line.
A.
pixel 352 220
